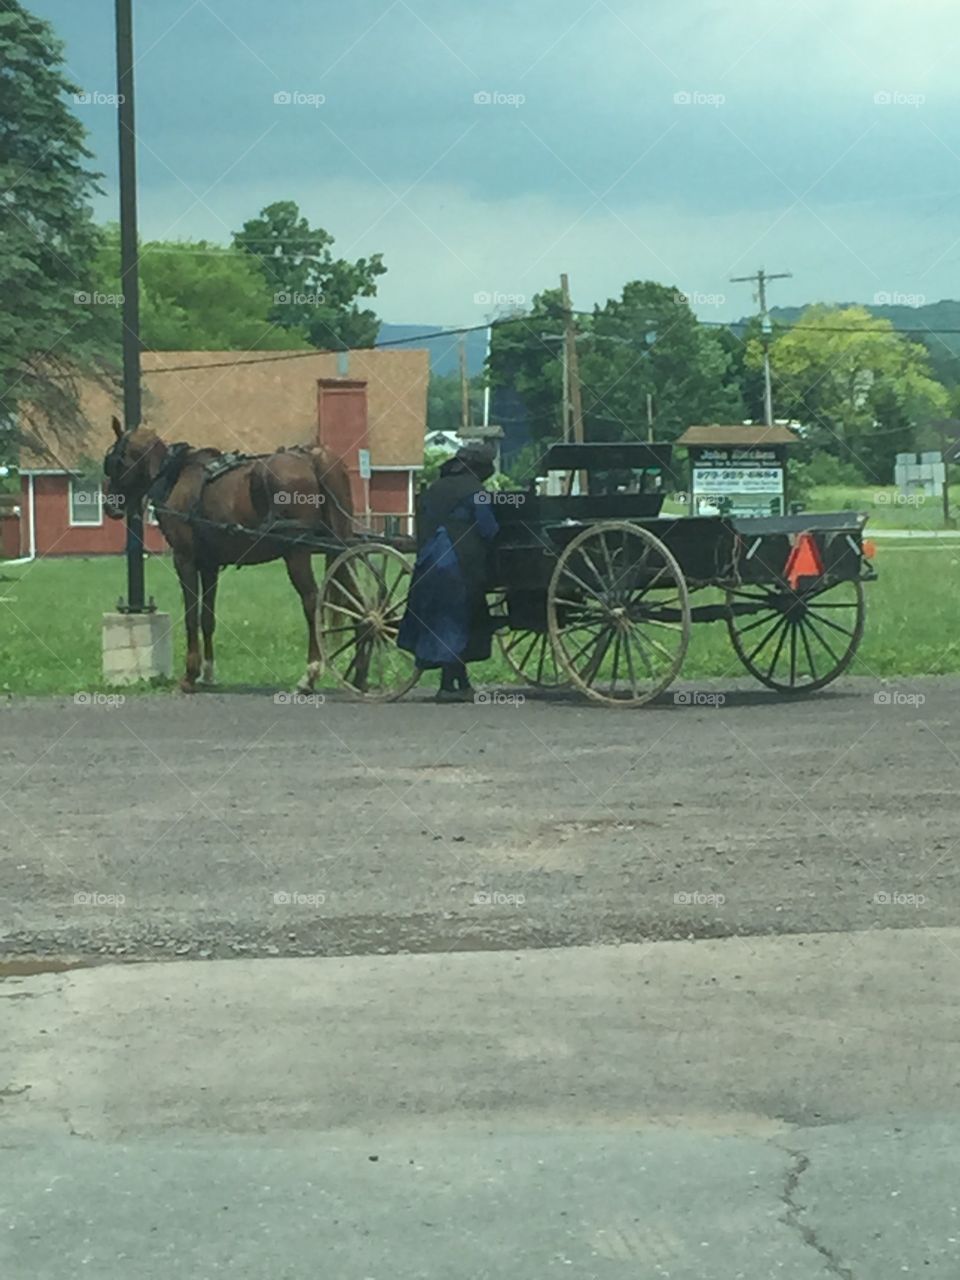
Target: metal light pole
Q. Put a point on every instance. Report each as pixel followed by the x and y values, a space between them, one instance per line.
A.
pixel 130 288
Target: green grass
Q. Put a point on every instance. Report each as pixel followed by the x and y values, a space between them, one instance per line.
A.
pixel 50 617
pixel 884 506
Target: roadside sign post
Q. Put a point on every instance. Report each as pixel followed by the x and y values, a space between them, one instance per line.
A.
pixel 363 459
pixel 949 431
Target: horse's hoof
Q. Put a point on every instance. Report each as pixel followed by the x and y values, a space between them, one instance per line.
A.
pixel 188 686
pixel 208 675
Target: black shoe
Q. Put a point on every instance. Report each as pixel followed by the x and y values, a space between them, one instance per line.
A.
pixel 454 695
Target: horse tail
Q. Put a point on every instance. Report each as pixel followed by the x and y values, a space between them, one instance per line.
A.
pixel 334 483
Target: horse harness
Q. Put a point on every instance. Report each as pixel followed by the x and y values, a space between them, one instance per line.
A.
pixel 221 464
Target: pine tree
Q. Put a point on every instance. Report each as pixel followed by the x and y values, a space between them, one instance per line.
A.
pixel 52 329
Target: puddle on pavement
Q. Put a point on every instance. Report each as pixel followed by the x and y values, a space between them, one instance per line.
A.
pixel 28 968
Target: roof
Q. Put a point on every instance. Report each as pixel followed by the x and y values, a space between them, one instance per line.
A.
pixel 738 435
pixel 254 405
pixel 443 440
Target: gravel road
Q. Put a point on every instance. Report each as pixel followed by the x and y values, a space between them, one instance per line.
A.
pixel 232 824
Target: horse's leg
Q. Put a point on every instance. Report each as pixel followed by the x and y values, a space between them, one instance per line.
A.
pixel 189 577
pixel 300 572
pixel 208 619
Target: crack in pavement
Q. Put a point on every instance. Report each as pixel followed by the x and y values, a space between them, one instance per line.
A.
pixel 800 1164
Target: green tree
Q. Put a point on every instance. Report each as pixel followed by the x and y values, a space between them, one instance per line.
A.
pixel 196 296
pixel 745 378
pixel 444 411
pixel 525 357
pixel 313 291
pixel 860 388
pixel 648 341
pixel 52 330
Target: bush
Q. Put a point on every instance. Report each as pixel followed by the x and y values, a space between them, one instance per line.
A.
pixel 820 469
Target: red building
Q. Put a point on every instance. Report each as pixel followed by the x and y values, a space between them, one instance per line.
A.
pixel 368 407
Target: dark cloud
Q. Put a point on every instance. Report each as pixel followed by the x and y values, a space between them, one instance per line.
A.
pixel 694 114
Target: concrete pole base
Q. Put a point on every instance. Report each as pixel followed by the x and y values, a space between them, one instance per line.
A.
pixel 137 646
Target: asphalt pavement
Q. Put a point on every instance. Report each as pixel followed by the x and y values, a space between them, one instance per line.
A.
pixel 737 1109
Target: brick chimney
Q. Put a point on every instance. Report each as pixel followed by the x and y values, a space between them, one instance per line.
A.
pixel 342 428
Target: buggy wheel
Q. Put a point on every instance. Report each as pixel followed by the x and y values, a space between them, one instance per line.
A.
pixel 619 614
pixel 796 642
pixel 361 604
pixel 530 655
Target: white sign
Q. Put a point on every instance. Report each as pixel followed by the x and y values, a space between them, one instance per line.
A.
pixel 740 490
pixel 363 456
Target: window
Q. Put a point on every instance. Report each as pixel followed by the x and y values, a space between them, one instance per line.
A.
pixel 85 501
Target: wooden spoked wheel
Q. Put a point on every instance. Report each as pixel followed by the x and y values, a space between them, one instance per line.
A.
pixel 796 642
pixel 619 614
pixel 361 604
pixel 529 655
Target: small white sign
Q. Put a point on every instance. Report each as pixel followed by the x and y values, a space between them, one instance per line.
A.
pixel 363 456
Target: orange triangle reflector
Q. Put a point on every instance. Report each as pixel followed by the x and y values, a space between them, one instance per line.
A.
pixel 803 561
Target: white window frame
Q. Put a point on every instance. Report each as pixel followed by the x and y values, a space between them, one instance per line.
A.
pixel 97 506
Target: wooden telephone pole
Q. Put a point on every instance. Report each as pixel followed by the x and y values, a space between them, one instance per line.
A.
pixel 572 379
pixel 573 365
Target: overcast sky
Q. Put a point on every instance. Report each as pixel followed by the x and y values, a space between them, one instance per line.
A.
pixel 821 137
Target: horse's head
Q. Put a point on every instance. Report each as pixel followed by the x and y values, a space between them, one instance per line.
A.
pixel 130 466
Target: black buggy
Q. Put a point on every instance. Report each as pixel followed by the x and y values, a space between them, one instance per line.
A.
pixel 598 590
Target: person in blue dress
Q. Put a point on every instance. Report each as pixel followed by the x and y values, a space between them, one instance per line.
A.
pixel 447 623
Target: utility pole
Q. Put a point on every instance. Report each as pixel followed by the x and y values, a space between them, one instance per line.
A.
pixel 572 379
pixel 464 388
pixel 486 380
pixel 649 418
pixel 566 391
pixel 573 366
pixel 760 280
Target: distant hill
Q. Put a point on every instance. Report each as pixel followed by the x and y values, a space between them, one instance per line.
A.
pixel 932 315
pixel 444 352
pixel 944 347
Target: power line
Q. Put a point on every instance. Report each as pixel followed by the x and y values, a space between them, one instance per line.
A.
pixel 316 351
pixel 537 320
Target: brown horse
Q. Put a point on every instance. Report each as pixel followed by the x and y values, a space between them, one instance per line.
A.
pixel 289 493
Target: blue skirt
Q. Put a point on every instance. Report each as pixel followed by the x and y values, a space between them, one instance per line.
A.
pixel 446 621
